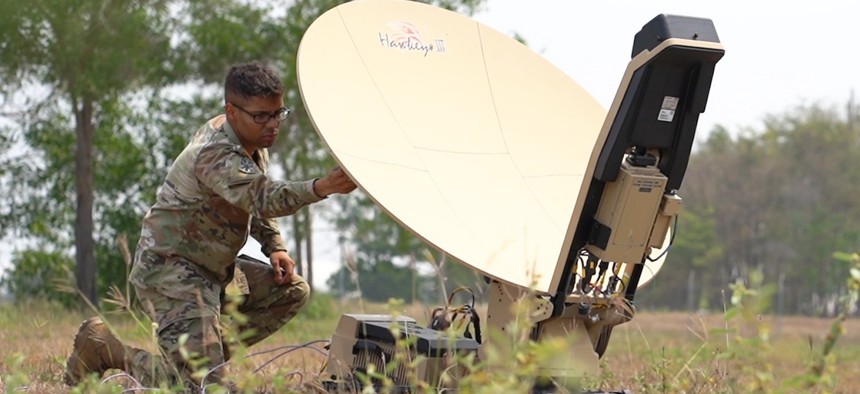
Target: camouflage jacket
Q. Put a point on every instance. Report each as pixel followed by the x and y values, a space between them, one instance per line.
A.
pixel 214 196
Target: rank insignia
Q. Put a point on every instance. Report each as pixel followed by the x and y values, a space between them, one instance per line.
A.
pixel 247 166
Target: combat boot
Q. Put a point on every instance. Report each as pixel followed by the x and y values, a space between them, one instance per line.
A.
pixel 96 349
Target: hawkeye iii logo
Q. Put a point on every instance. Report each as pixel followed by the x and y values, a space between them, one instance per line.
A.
pixel 405 36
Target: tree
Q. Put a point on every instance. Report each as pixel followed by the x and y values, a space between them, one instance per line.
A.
pixel 781 200
pixel 818 207
pixel 70 48
pixel 104 68
pixel 687 275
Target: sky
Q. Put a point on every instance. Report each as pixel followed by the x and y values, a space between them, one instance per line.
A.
pixel 779 55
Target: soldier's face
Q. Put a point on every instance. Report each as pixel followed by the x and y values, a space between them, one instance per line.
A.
pixel 251 133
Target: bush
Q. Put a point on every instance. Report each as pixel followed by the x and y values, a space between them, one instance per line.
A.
pixel 41 275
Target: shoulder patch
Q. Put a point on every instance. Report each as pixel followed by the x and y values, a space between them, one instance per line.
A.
pixel 247 166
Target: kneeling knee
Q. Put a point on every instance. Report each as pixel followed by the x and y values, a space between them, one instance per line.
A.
pixel 298 292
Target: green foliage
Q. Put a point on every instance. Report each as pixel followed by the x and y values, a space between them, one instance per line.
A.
pixel 751 344
pixel 409 280
pixel 41 275
pixel 822 368
pixel 696 248
pixel 19 379
pixel 320 306
pixel 379 282
pixel 222 32
pixel 71 45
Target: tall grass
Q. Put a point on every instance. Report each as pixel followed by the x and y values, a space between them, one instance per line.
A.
pixel 740 350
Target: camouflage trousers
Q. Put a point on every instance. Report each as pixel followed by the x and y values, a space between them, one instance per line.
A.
pixel 187 304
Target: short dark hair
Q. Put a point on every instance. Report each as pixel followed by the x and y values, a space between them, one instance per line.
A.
pixel 252 79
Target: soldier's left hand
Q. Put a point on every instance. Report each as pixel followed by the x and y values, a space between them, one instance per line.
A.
pixel 283 265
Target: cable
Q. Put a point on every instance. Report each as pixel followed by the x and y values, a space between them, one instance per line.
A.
pixel 671 242
pixel 138 386
pixel 290 348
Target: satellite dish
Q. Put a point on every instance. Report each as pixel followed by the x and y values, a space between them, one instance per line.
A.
pixel 462 134
pixel 489 153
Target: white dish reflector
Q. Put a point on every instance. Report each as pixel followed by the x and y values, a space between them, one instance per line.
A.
pixel 462 134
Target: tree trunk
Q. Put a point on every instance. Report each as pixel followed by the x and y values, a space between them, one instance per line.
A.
pixel 296 254
pixel 84 184
pixel 309 243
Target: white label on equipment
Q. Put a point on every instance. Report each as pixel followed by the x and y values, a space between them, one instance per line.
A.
pixel 667 109
pixel 666 115
pixel 670 102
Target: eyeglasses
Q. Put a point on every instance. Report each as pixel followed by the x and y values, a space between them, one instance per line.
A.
pixel 264 117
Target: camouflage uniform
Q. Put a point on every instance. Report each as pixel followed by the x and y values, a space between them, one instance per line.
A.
pixel 214 196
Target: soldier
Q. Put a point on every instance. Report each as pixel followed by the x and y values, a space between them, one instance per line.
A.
pixel 216 193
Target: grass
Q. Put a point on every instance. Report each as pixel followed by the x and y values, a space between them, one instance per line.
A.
pixel 737 351
pixel 655 353
pixel 696 353
pixel 36 338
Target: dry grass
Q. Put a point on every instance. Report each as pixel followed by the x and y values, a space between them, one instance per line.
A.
pixel 713 355
pixel 654 351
